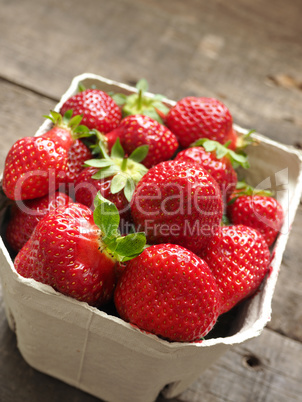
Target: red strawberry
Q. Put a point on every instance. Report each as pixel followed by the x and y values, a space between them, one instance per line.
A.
pixel 220 169
pixel 78 153
pixel 67 131
pixel 137 130
pixel 168 291
pixel 239 257
pixel 99 110
pixel 75 255
pixel 33 167
pixel 24 217
pixel 192 118
pixel 257 210
pixel 177 202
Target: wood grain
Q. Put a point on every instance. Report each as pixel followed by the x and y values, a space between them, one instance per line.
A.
pixel 236 51
pixel 228 50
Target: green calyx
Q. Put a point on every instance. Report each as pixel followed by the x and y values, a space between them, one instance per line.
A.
pixel 140 103
pixel 70 123
pixel 125 172
pixel 107 218
pixel 244 140
pixel 236 158
pixel 242 188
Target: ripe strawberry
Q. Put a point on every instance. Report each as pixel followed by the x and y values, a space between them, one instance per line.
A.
pixel 217 160
pixel 78 153
pixel 168 291
pixel 257 210
pixel 99 110
pixel 35 166
pixel 177 202
pixel 239 257
pixel 24 217
pixel 192 118
pixel 137 130
pixel 68 132
pixel 75 251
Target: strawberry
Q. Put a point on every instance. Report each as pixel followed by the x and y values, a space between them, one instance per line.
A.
pixel 218 160
pixel 98 109
pixel 169 291
pixel 78 153
pixel 178 202
pixel 35 166
pixel 137 130
pixel 239 257
pixel 192 118
pixel 75 250
pixel 257 209
pixel 24 217
pixel 68 132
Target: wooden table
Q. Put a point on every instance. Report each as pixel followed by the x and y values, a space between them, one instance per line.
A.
pixel 249 55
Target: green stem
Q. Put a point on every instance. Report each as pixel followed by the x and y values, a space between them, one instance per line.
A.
pixel 140 99
pixel 124 164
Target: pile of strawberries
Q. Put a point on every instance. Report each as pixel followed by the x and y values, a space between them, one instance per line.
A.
pixel 126 201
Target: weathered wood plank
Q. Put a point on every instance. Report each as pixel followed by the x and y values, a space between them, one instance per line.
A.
pixel 228 50
pixel 261 369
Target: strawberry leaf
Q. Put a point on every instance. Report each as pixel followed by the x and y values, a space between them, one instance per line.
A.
pixel 106 217
pixel 130 246
pixel 117 150
pixel 120 99
pixel 236 158
pixel 67 116
pixel 81 87
pixel 98 163
pixel 83 132
pixel 106 172
pixel 140 153
pixel 142 85
pixel 75 121
pixel 242 188
pixel 129 189
pixel 118 182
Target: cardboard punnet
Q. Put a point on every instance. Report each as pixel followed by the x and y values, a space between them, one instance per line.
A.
pixel 107 357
